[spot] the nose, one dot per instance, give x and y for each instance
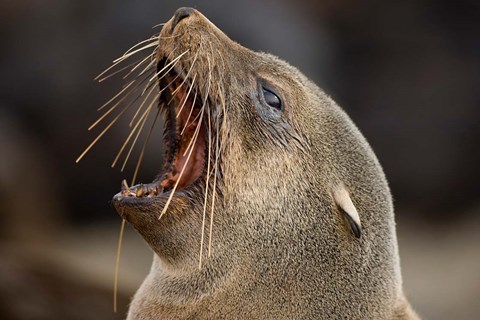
(181, 14)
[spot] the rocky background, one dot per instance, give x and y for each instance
(407, 72)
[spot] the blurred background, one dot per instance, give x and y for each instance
(407, 72)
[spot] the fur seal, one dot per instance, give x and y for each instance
(268, 184)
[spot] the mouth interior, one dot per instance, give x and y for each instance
(184, 139)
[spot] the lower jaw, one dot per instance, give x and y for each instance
(184, 197)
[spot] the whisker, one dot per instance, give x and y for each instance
(120, 101)
(142, 153)
(116, 72)
(152, 38)
(214, 192)
(184, 79)
(117, 95)
(101, 134)
(186, 98)
(129, 137)
(109, 111)
(189, 114)
(206, 190)
(149, 84)
(217, 156)
(190, 144)
(138, 65)
(117, 265)
(150, 65)
(170, 37)
(136, 137)
(174, 61)
(141, 105)
(126, 56)
(159, 25)
(203, 107)
(110, 68)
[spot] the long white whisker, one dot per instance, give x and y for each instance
(142, 153)
(184, 79)
(174, 61)
(101, 134)
(189, 114)
(186, 98)
(152, 38)
(126, 56)
(206, 190)
(217, 159)
(195, 119)
(116, 72)
(129, 137)
(138, 65)
(148, 110)
(116, 96)
(142, 104)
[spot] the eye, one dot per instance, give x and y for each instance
(272, 99)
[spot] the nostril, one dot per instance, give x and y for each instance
(181, 14)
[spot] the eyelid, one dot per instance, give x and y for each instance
(264, 85)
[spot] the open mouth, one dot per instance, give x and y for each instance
(184, 139)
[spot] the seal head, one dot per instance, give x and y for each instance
(267, 183)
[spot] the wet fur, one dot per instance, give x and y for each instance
(281, 247)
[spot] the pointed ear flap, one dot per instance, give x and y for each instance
(343, 201)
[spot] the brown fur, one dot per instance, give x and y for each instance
(281, 246)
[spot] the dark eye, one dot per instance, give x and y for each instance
(272, 99)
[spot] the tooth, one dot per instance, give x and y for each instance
(158, 190)
(140, 191)
(125, 189)
(150, 189)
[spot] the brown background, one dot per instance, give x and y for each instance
(407, 72)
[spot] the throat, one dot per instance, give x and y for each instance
(189, 161)
(185, 137)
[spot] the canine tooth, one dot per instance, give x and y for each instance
(150, 189)
(125, 189)
(158, 189)
(140, 191)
